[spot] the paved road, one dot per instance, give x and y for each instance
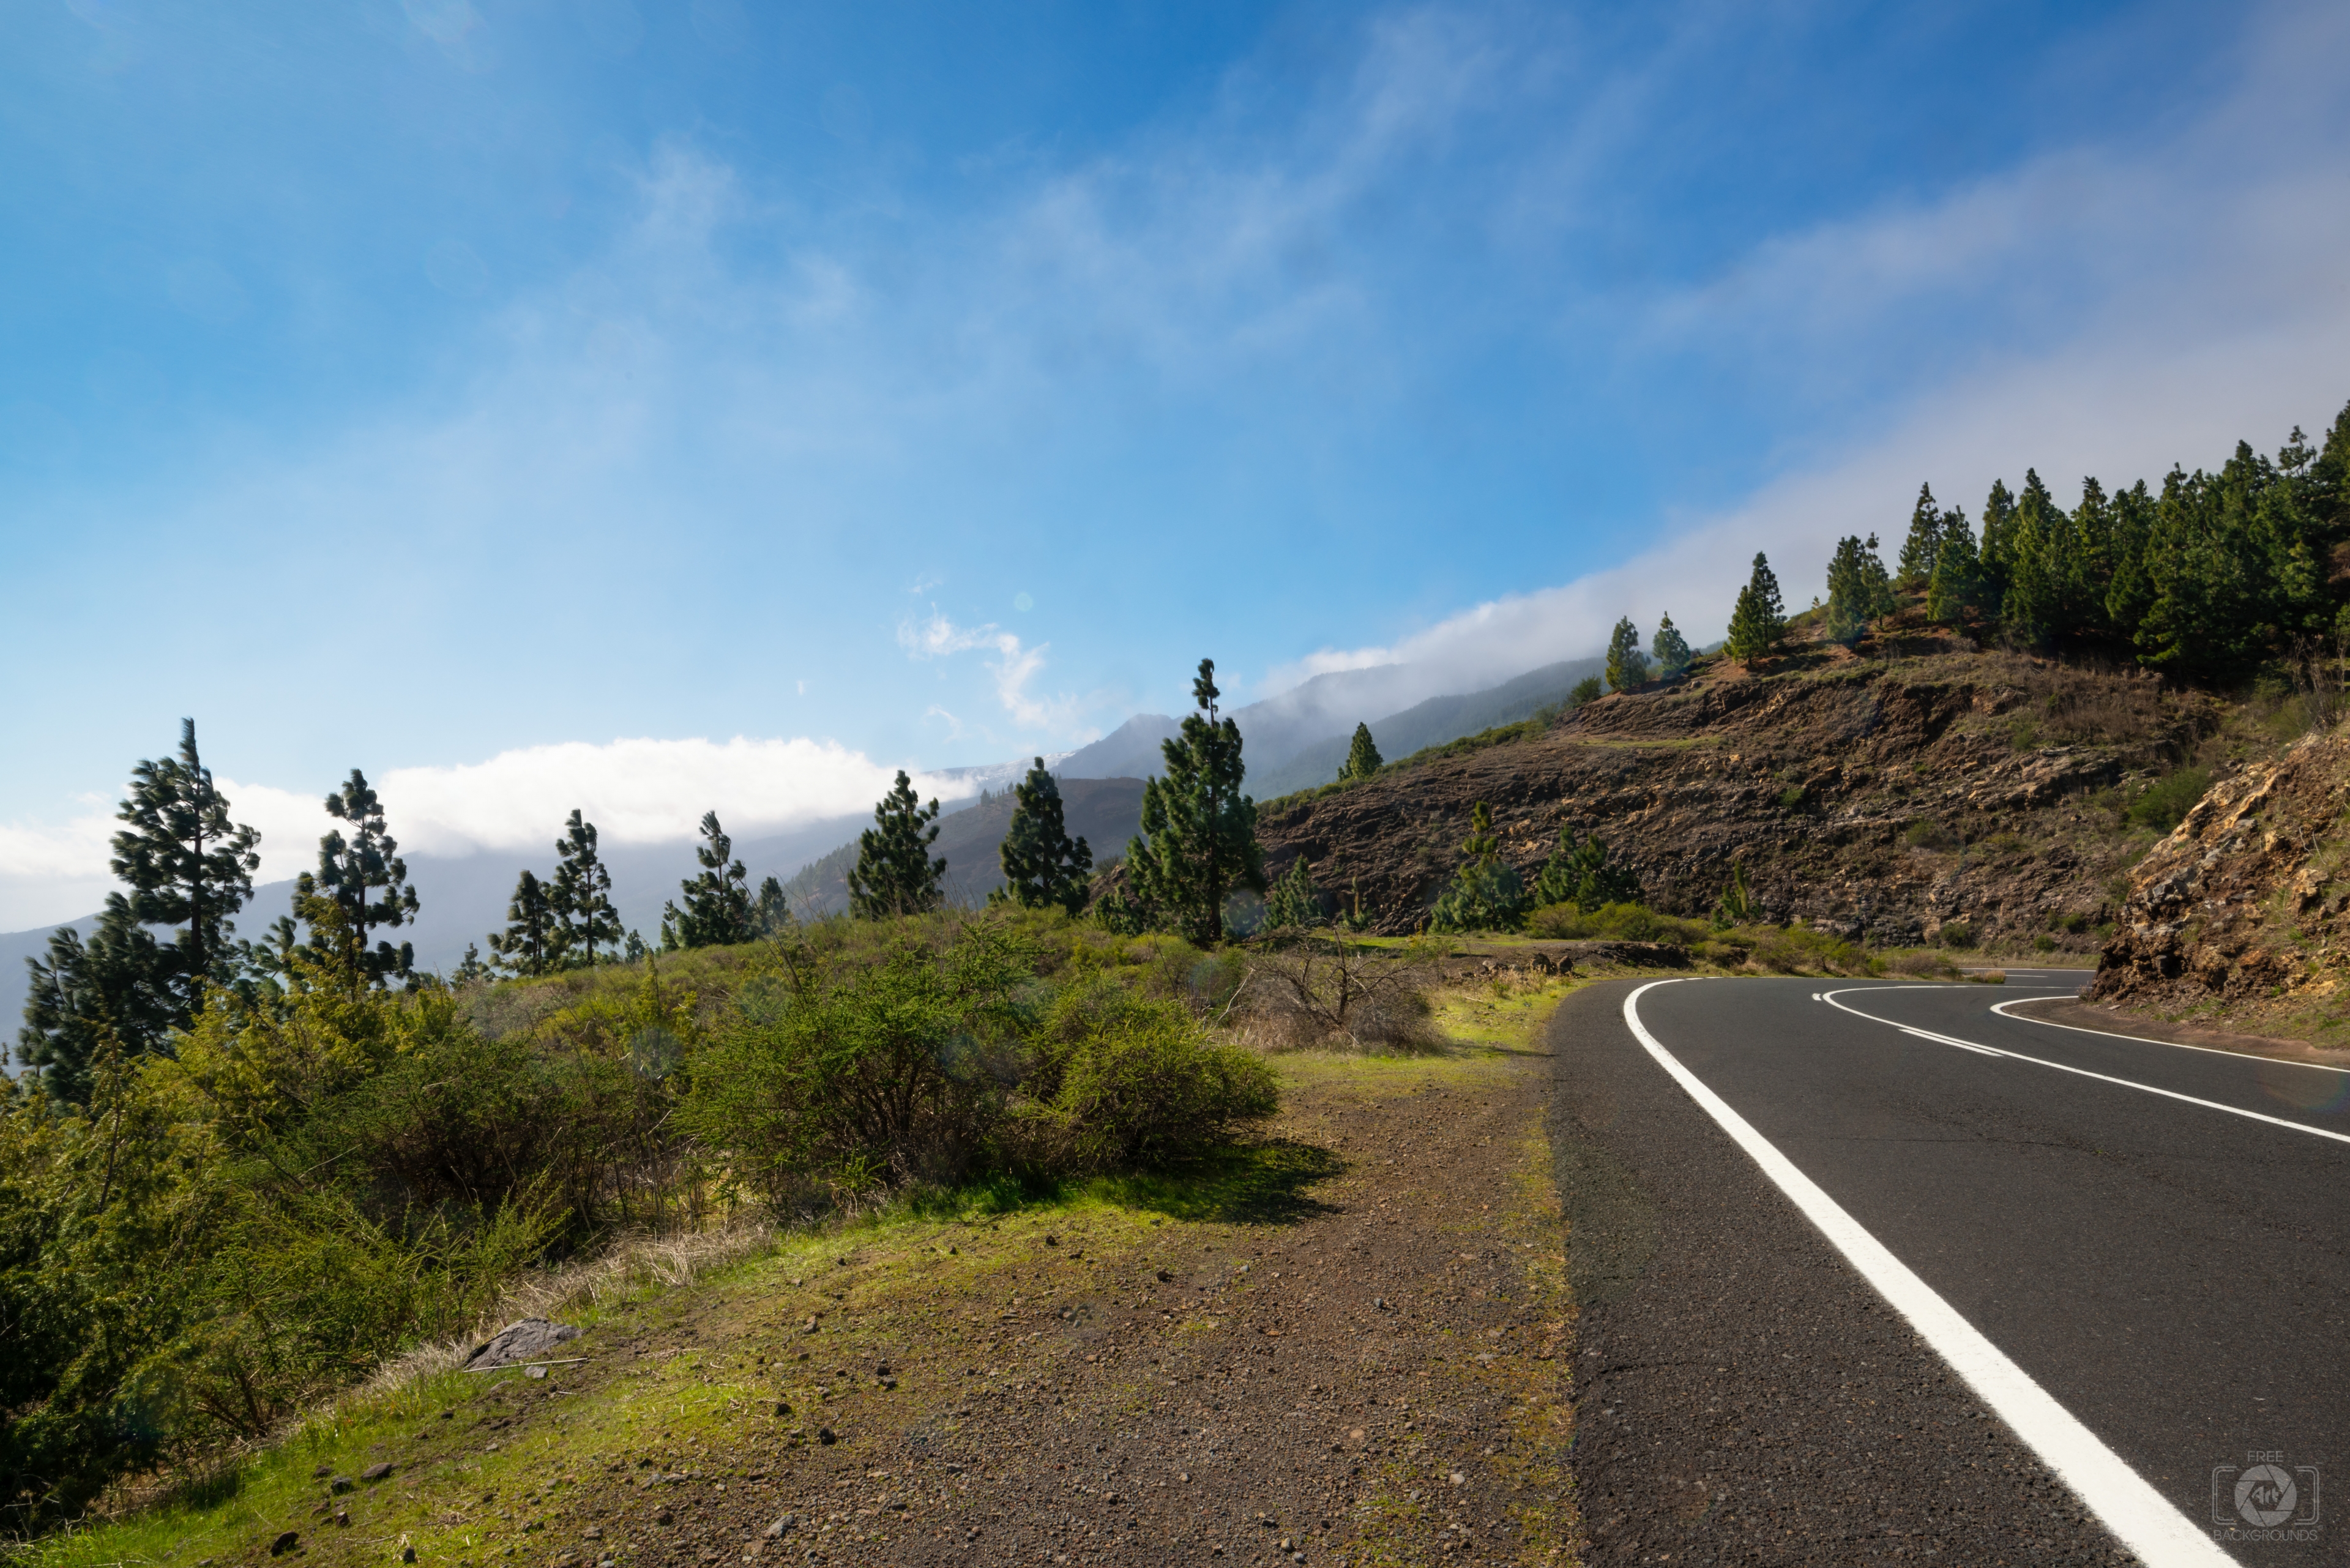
(2172, 1268)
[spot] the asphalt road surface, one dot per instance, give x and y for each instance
(2095, 1251)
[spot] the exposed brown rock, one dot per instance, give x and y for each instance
(2245, 902)
(1811, 776)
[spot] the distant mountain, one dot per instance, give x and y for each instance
(1429, 723)
(1106, 813)
(1129, 752)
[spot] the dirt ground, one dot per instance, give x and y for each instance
(1347, 1346)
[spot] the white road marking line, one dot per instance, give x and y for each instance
(2082, 1072)
(2002, 1009)
(2137, 1514)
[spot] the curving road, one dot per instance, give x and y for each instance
(1877, 1269)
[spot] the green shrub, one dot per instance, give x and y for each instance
(1490, 897)
(1957, 934)
(2165, 802)
(1928, 834)
(1614, 922)
(1117, 1081)
(1792, 797)
(864, 1078)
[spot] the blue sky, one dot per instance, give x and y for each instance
(454, 389)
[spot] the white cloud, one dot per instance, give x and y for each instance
(638, 791)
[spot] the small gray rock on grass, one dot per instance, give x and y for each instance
(532, 1339)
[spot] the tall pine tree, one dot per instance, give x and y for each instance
(365, 878)
(1858, 589)
(1924, 546)
(1041, 865)
(894, 874)
(1627, 666)
(1759, 620)
(717, 910)
(187, 865)
(533, 942)
(580, 896)
(771, 915)
(87, 997)
(1363, 757)
(1670, 650)
(1199, 831)
(1956, 584)
(1996, 553)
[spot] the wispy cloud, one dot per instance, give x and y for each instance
(1015, 666)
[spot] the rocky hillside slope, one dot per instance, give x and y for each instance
(2243, 912)
(1937, 792)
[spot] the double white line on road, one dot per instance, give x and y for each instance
(1914, 1033)
(2137, 1514)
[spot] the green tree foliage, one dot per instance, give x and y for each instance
(1923, 548)
(187, 867)
(1363, 757)
(717, 910)
(580, 896)
(1487, 894)
(1957, 585)
(1293, 901)
(1041, 865)
(1737, 906)
(470, 969)
(86, 998)
(1670, 650)
(771, 915)
(1759, 619)
(1199, 831)
(1627, 666)
(365, 880)
(1858, 589)
(2214, 579)
(1583, 874)
(1587, 690)
(533, 942)
(895, 874)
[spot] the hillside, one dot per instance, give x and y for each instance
(1937, 792)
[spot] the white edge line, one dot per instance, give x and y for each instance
(2002, 1009)
(2082, 1072)
(2139, 1517)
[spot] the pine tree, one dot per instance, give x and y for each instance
(771, 916)
(1041, 865)
(635, 952)
(1957, 583)
(1627, 666)
(1587, 690)
(1583, 874)
(2031, 603)
(1199, 831)
(188, 865)
(1995, 554)
(717, 910)
(1363, 757)
(470, 969)
(1670, 650)
(91, 996)
(1759, 620)
(1858, 589)
(894, 874)
(1294, 902)
(580, 894)
(349, 873)
(1487, 894)
(1924, 546)
(533, 942)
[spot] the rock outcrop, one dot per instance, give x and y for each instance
(2247, 903)
(1878, 800)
